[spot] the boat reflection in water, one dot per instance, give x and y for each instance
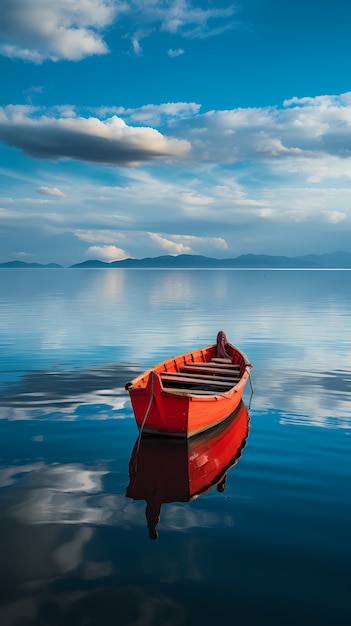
(165, 470)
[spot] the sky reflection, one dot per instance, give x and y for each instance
(59, 394)
(71, 494)
(322, 399)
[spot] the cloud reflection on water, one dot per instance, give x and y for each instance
(60, 392)
(73, 494)
(55, 518)
(131, 604)
(313, 399)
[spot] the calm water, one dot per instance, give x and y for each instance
(274, 547)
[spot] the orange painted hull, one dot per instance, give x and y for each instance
(171, 470)
(161, 410)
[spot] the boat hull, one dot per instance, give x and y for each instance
(181, 412)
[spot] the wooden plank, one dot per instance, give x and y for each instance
(203, 376)
(192, 380)
(195, 392)
(229, 366)
(218, 359)
(208, 370)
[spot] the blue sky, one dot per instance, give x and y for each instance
(146, 127)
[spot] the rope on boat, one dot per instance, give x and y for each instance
(250, 382)
(252, 391)
(135, 465)
(147, 411)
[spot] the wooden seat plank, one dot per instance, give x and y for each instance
(196, 392)
(201, 377)
(212, 365)
(208, 370)
(178, 377)
(218, 359)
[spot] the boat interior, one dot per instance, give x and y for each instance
(205, 378)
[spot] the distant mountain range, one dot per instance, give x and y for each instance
(334, 260)
(23, 264)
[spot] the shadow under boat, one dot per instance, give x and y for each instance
(163, 470)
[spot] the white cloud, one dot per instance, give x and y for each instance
(86, 139)
(175, 17)
(51, 191)
(299, 133)
(35, 30)
(266, 213)
(218, 242)
(106, 253)
(213, 242)
(314, 168)
(187, 244)
(136, 44)
(99, 236)
(286, 138)
(22, 255)
(334, 217)
(196, 199)
(323, 100)
(170, 246)
(175, 53)
(299, 137)
(153, 114)
(182, 17)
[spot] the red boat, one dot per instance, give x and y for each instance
(190, 393)
(179, 470)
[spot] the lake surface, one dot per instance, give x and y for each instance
(273, 547)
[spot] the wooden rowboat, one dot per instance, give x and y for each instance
(165, 470)
(192, 392)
